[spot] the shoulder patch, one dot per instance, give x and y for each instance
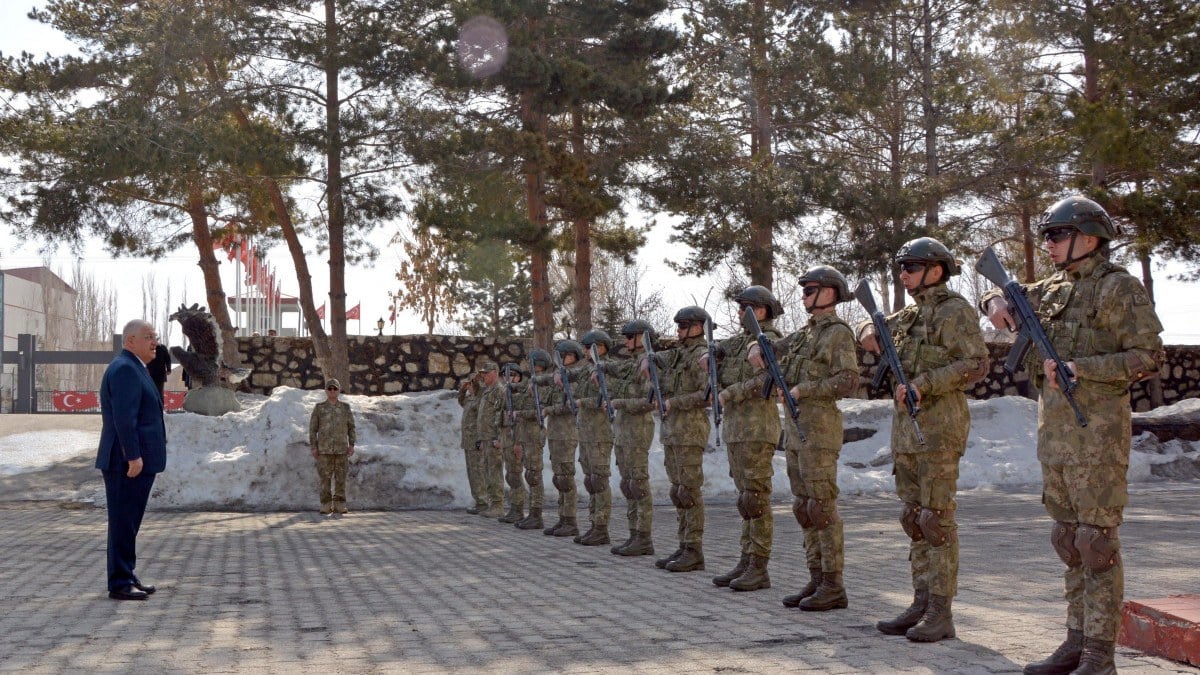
(1140, 297)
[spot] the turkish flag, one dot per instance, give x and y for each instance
(70, 401)
(393, 318)
(173, 400)
(321, 311)
(353, 312)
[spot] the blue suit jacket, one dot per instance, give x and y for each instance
(132, 417)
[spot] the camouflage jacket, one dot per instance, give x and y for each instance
(560, 421)
(331, 428)
(748, 416)
(593, 420)
(528, 431)
(491, 413)
(1101, 318)
(683, 385)
(469, 400)
(821, 362)
(942, 352)
(633, 424)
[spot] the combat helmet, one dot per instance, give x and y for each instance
(692, 314)
(1081, 213)
(565, 347)
(596, 337)
(540, 357)
(829, 277)
(637, 327)
(510, 368)
(928, 250)
(759, 295)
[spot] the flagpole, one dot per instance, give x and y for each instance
(237, 284)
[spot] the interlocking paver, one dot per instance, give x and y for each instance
(443, 591)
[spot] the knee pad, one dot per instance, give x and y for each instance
(822, 512)
(686, 499)
(533, 477)
(908, 521)
(675, 496)
(639, 487)
(625, 489)
(599, 483)
(1099, 547)
(752, 504)
(931, 527)
(564, 483)
(587, 483)
(1062, 538)
(800, 509)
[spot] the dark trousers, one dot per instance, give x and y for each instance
(127, 499)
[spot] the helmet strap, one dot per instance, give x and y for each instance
(828, 304)
(1071, 257)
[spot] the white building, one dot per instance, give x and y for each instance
(36, 301)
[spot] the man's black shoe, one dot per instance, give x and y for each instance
(128, 593)
(144, 588)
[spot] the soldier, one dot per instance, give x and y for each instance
(510, 451)
(1102, 323)
(943, 353)
(684, 434)
(751, 432)
(821, 359)
(562, 437)
(531, 439)
(633, 432)
(468, 398)
(491, 428)
(595, 442)
(331, 435)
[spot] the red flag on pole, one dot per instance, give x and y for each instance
(235, 245)
(321, 311)
(353, 312)
(392, 319)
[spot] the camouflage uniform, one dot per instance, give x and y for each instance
(942, 352)
(468, 398)
(511, 465)
(751, 432)
(684, 434)
(532, 440)
(491, 433)
(633, 432)
(595, 450)
(562, 435)
(1099, 317)
(821, 360)
(331, 432)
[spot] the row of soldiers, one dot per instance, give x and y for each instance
(1095, 314)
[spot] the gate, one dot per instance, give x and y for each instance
(28, 358)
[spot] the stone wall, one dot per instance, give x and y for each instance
(396, 364)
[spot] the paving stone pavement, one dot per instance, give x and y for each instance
(444, 591)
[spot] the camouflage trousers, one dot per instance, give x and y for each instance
(331, 470)
(1091, 495)
(812, 474)
(562, 463)
(492, 475)
(512, 473)
(751, 469)
(929, 480)
(634, 463)
(533, 460)
(596, 461)
(474, 462)
(685, 470)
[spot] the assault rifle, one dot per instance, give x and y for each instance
(652, 367)
(565, 376)
(890, 358)
(510, 413)
(537, 399)
(1029, 330)
(713, 388)
(602, 398)
(774, 373)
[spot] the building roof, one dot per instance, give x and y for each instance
(42, 276)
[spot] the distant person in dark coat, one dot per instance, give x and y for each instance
(159, 367)
(133, 450)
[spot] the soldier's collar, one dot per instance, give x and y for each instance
(1086, 268)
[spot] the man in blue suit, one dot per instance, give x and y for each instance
(133, 450)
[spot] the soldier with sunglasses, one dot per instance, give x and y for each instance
(1101, 321)
(942, 352)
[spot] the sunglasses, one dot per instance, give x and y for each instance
(1058, 235)
(331, 388)
(912, 267)
(811, 290)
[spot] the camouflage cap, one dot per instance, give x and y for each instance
(332, 383)
(487, 366)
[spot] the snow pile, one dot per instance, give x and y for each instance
(34, 451)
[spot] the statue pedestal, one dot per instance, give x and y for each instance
(212, 400)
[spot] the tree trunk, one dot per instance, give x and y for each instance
(339, 357)
(582, 291)
(761, 255)
(215, 293)
(932, 189)
(1027, 243)
(539, 249)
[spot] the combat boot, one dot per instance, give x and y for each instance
(549, 531)
(473, 510)
(661, 563)
(597, 536)
(908, 618)
(567, 528)
(493, 511)
(531, 522)
(326, 509)
(690, 560)
(831, 594)
(814, 580)
(738, 570)
(340, 508)
(937, 624)
(641, 544)
(579, 537)
(514, 514)
(616, 550)
(1063, 660)
(755, 577)
(1096, 658)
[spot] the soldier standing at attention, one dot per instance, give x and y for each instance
(821, 359)
(468, 398)
(331, 435)
(684, 433)
(491, 427)
(1102, 323)
(562, 436)
(633, 432)
(943, 353)
(595, 441)
(510, 451)
(531, 441)
(751, 432)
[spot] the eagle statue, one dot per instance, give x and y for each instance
(202, 360)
